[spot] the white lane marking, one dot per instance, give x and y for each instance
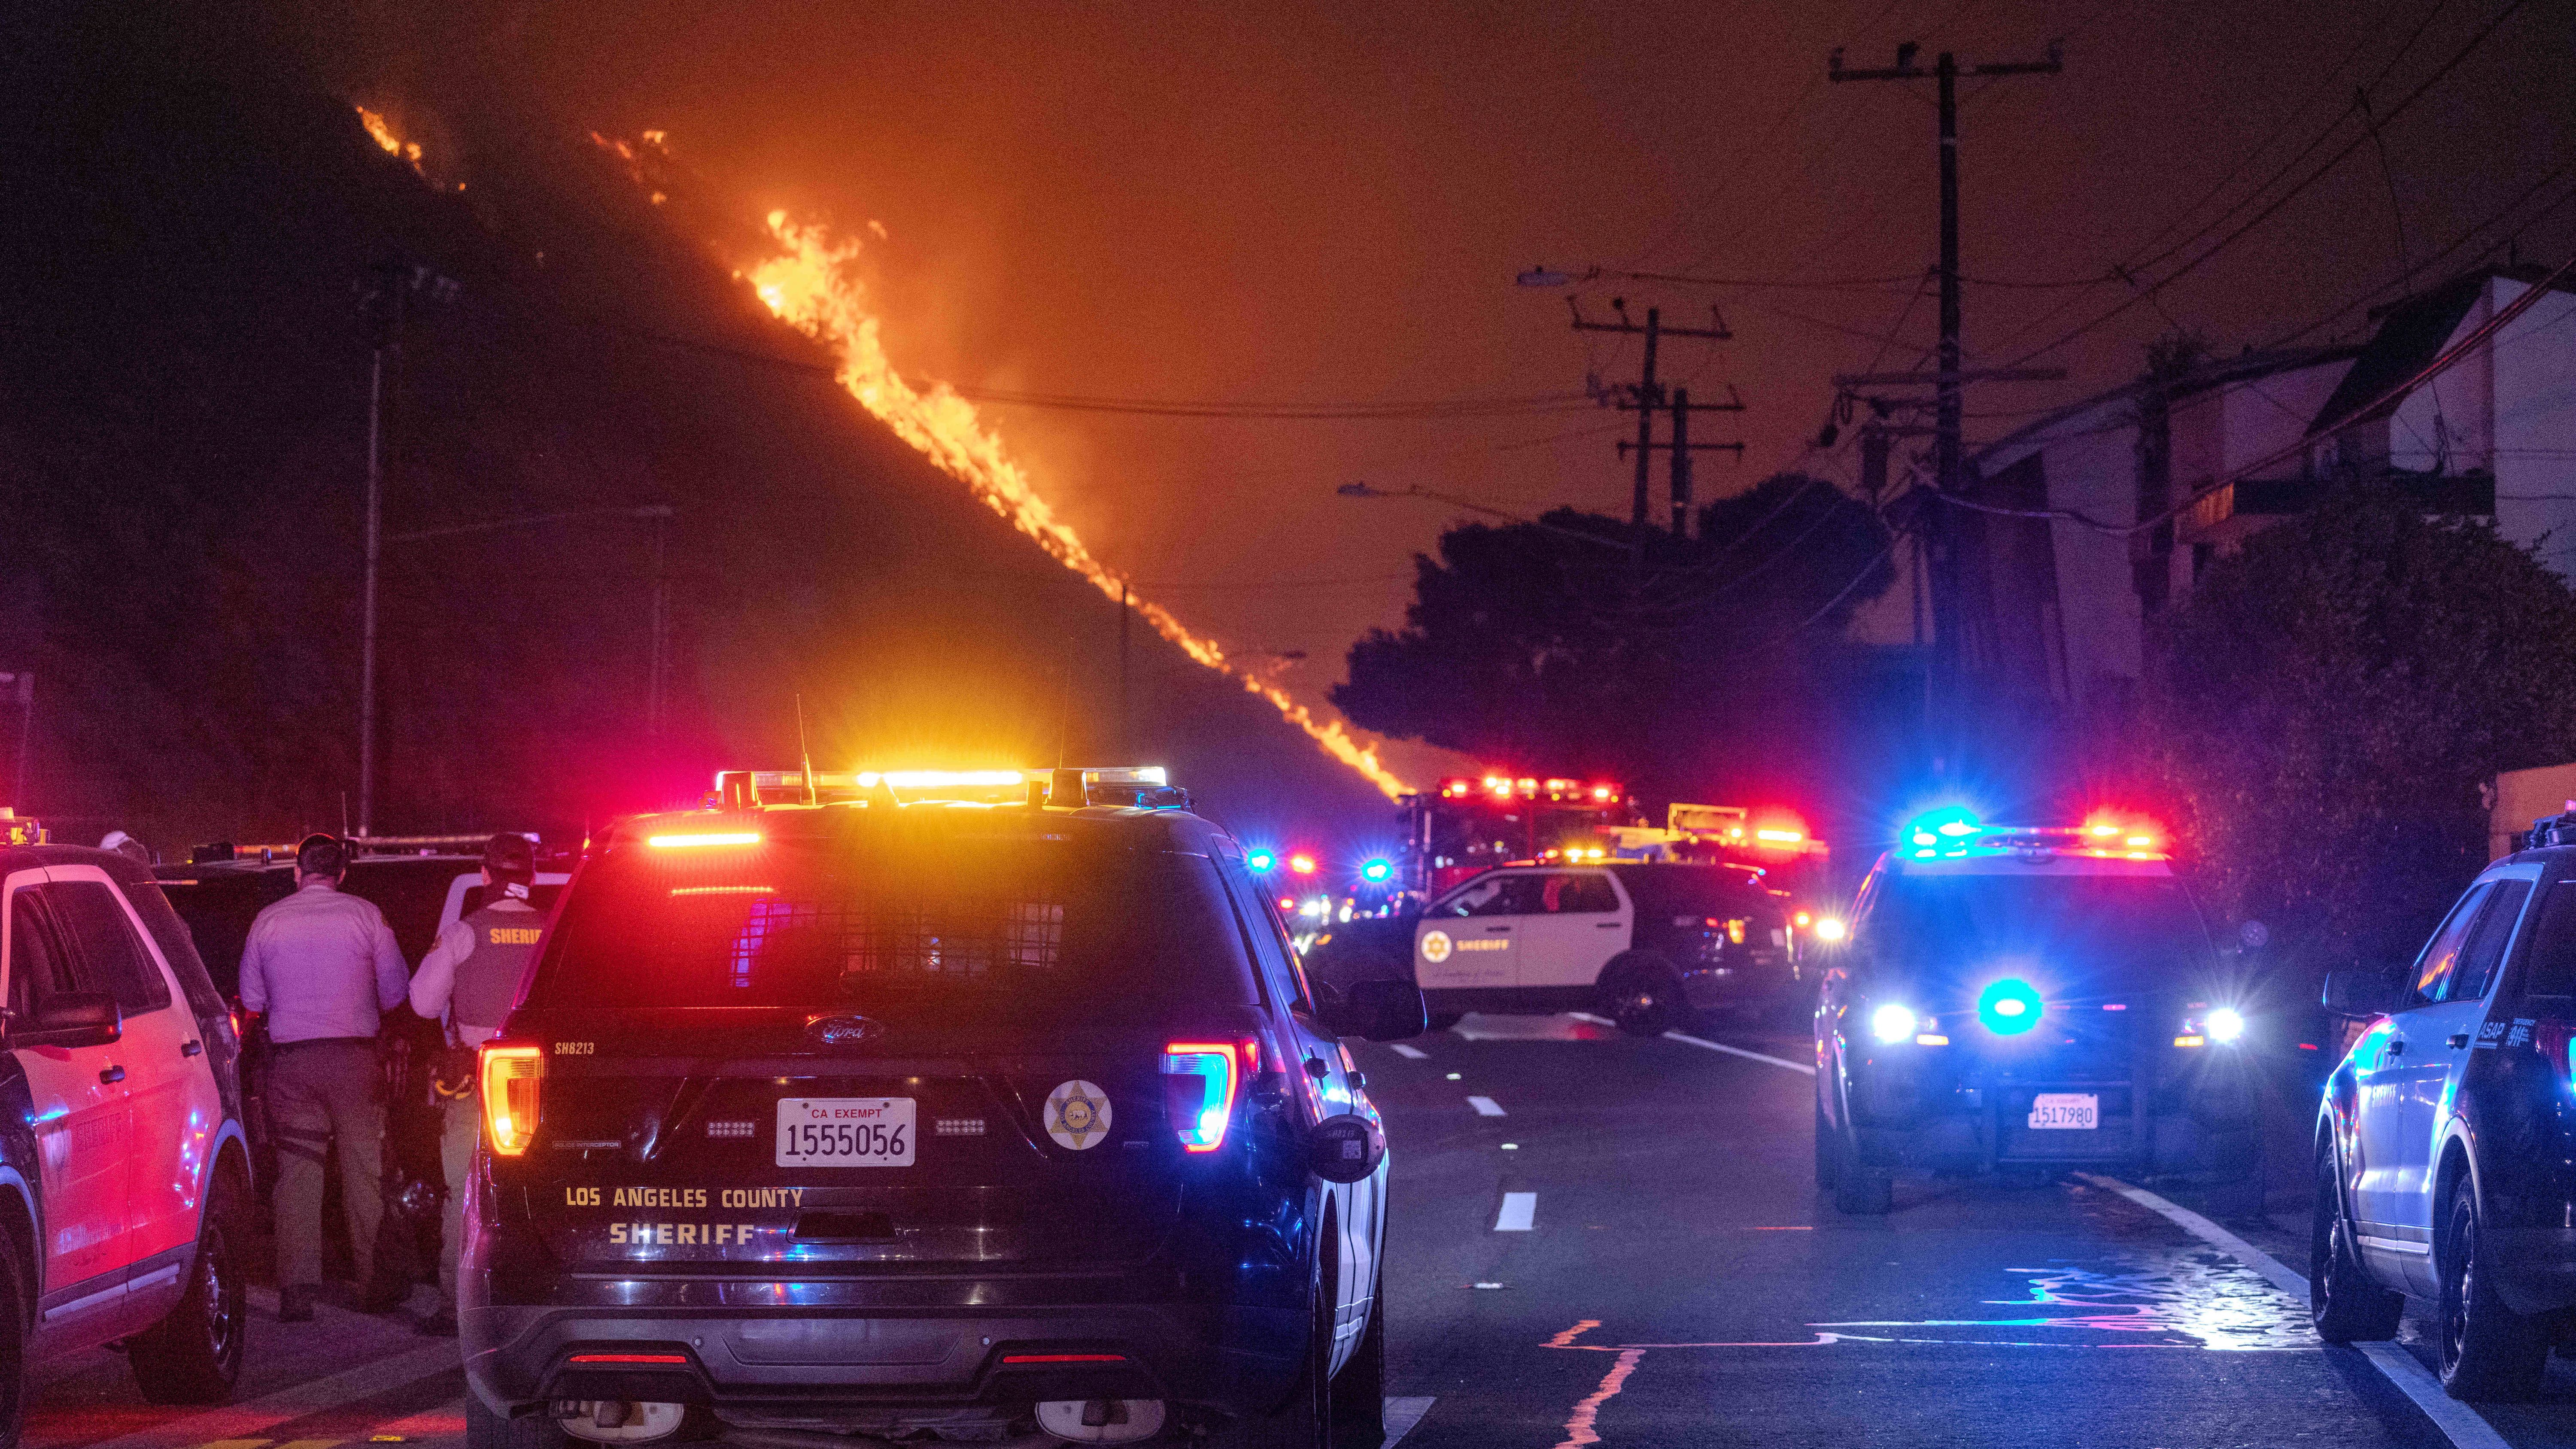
(1402, 1415)
(1410, 1054)
(239, 1421)
(1719, 1046)
(1578, 1425)
(2458, 1422)
(1486, 1106)
(2272, 1269)
(1519, 1210)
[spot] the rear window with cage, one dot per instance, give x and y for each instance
(905, 925)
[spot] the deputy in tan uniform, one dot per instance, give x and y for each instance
(322, 967)
(469, 980)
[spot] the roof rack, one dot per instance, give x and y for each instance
(2559, 829)
(1139, 786)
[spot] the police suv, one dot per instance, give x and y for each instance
(2015, 997)
(1646, 945)
(2446, 1137)
(929, 1105)
(124, 1174)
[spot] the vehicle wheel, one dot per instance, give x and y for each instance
(1825, 1159)
(1642, 994)
(17, 1313)
(1305, 1420)
(1857, 1190)
(485, 1429)
(2486, 1350)
(2343, 1302)
(1442, 1020)
(1359, 1390)
(194, 1356)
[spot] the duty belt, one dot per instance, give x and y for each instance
(314, 1041)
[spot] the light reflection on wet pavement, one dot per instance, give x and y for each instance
(2190, 1299)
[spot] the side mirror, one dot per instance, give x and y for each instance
(72, 1019)
(1345, 1148)
(1379, 1010)
(2360, 991)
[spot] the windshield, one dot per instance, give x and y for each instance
(920, 930)
(2074, 935)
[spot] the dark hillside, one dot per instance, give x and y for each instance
(184, 225)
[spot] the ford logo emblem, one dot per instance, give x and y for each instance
(834, 1031)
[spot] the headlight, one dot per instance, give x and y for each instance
(1829, 929)
(1892, 1023)
(2224, 1025)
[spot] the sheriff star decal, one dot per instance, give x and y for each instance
(1077, 1115)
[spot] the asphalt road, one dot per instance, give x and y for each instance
(1622, 1244)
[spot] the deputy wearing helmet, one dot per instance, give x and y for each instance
(323, 966)
(468, 981)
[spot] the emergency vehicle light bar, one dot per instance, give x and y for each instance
(1139, 785)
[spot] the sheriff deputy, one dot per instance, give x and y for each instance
(468, 980)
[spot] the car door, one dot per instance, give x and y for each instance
(173, 1109)
(1583, 921)
(78, 1098)
(1326, 1084)
(1468, 939)
(2384, 1067)
(2440, 1035)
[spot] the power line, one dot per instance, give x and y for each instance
(2223, 243)
(1301, 412)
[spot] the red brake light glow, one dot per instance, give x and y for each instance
(510, 1073)
(681, 1359)
(1200, 1082)
(1057, 1358)
(692, 842)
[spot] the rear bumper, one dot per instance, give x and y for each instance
(1955, 1116)
(824, 1362)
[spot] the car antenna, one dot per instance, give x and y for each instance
(804, 753)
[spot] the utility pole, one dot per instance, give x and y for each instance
(22, 683)
(1126, 606)
(1939, 539)
(1681, 447)
(1646, 398)
(383, 296)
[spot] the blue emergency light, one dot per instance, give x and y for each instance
(1262, 861)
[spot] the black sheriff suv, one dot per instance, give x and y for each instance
(934, 1105)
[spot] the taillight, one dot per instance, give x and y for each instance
(509, 1079)
(1200, 1081)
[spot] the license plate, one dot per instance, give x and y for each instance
(2080, 1111)
(845, 1132)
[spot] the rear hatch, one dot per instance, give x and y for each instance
(880, 1047)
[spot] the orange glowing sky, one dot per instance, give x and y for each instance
(1324, 203)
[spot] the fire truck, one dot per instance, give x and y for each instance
(1472, 825)
(1794, 864)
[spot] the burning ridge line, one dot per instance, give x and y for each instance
(808, 286)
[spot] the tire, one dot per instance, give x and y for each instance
(2343, 1302)
(1858, 1191)
(17, 1318)
(1305, 1419)
(1359, 1390)
(2484, 1349)
(485, 1429)
(1826, 1161)
(1642, 994)
(194, 1355)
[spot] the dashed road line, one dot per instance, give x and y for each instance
(1410, 1054)
(1486, 1106)
(1520, 1209)
(1735, 1051)
(1402, 1415)
(2459, 1423)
